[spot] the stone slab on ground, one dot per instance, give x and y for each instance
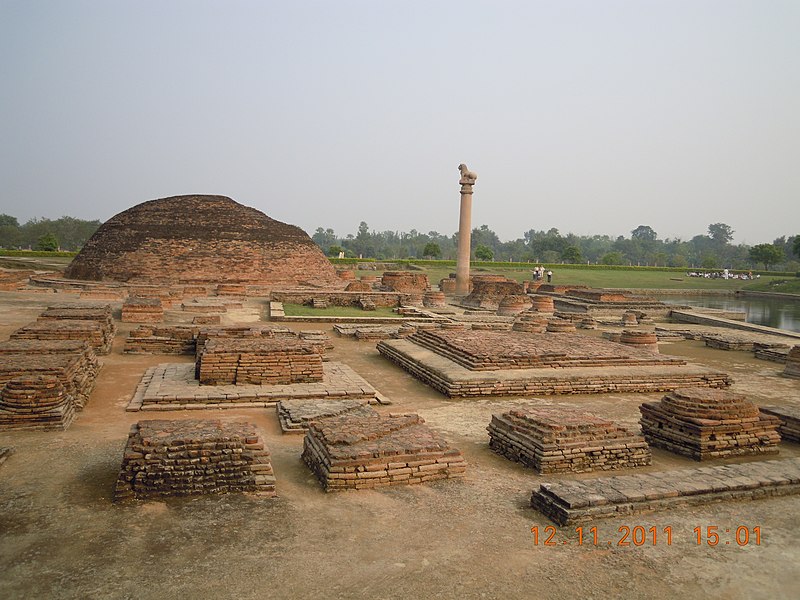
(348, 452)
(165, 458)
(454, 380)
(172, 386)
(575, 501)
(295, 415)
(789, 429)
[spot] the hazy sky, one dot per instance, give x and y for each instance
(588, 116)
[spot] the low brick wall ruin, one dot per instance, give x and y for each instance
(563, 440)
(192, 457)
(377, 451)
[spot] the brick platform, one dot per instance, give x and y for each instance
(264, 361)
(142, 310)
(94, 333)
(563, 440)
(488, 291)
(75, 371)
(174, 387)
(35, 402)
(488, 351)
(192, 457)
(568, 502)
(406, 282)
(378, 451)
(705, 424)
(789, 416)
(295, 415)
(455, 380)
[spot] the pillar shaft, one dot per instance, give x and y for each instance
(464, 237)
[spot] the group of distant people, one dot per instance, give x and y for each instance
(724, 274)
(539, 273)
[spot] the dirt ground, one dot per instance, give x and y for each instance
(61, 537)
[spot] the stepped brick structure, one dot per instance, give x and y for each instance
(348, 452)
(530, 322)
(236, 361)
(295, 415)
(142, 310)
(75, 371)
(789, 429)
(792, 368)
(645, 340)
(562, 440)
(472, 363)
(192, 457)
(35, 402)
(705, 424)
(434, 299)
(201, 239)
(92, 332)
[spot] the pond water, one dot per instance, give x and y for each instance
(773, 312)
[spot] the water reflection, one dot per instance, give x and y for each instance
(773, 312)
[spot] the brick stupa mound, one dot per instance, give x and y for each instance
(201, 239)
(349, 452)
(563, 440)
(706, 424)
(191, 457)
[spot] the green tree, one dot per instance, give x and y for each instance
(796, 245)
(721, 233)
(644, 233)
(571, 254)
(483, 252)
(335, 251)
(612, 258)
(767, 254)
(48, 243)
(432, 250)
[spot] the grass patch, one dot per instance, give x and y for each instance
(300, 310)
(626, 278)
(773, 284)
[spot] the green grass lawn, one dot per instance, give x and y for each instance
(299, 310)
(632, 278)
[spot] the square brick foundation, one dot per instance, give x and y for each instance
(193, 457)
(378, 451)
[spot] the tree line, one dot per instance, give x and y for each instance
(66, 233)
(643, 247)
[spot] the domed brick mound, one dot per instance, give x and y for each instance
(35, 402)
(646, 340)
(201, 239)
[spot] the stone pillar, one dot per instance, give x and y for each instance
(464, 230)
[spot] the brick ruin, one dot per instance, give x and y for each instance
(201, 240)
(474, 363)
(563, 440)
(792, 368)
(489, 290)
(74, 371)
(142, 310)
(36, 402)
(377, 451)
(165, 458)
(596, 302)
(569, 502)
(264, 361)
(513, 304)
(295, 415)
(706, 424)
(489, 351)
(789, 428)
(406, 282)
